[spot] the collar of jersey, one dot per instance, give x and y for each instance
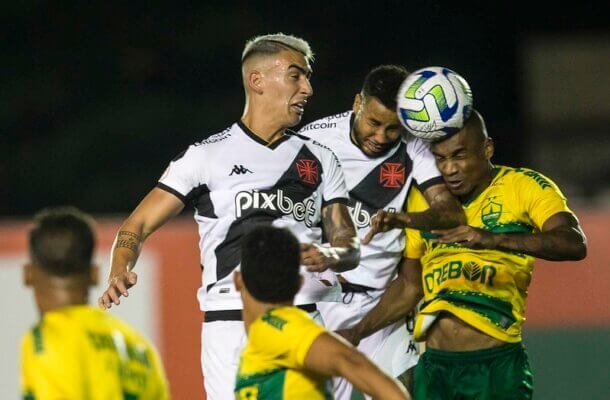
(258, 140)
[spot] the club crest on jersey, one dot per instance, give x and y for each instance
(275, 203)
(392, 175)
(308, 170)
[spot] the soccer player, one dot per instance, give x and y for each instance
(254, 172)
(78, 351)
(380, 162)
(288, 355)
(475, 277)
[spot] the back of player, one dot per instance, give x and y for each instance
(77, 351)
(82, 352)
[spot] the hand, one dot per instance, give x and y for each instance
(313, 258)
(466, 236)
(350, 335)
(383, 221)
(117, 287)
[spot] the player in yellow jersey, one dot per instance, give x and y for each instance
(474, 278)
(77, 351)
(288, 355)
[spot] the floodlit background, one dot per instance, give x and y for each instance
(97, 97)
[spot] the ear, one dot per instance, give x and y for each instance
(489, 148)
(357, 103)
(94, 275)
(237, 279)
(27, 274)
(255, 81)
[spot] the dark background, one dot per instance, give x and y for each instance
(97, 96)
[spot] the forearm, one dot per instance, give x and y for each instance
(556, 245)
(126, 249)
(368, 378)
(398, 300)
(342, 258)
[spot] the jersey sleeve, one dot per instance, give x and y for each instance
(424, 171)
(184, 174)
(415, 246)
(335, 188)
(540, 197)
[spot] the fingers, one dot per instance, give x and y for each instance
(369, 236)
(118, 286)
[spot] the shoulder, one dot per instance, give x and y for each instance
(319, 149)
(526, 176)
(326, 125)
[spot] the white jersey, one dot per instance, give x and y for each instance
(373, 184)
(236, 181)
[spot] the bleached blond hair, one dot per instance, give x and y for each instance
(274, 43)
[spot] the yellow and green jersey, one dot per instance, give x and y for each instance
(485, 288)
(84, 353)
(272, 362)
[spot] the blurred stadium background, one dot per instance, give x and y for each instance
(99, 96)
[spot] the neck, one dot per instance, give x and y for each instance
(52, 298)
(485, 182)
(254, 309)
(263, 127)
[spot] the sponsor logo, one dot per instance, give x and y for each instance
(239, 169)
(308, 171)
(319, 125)
(275, 201)
(392, 175)
(361, 216)
(456, 269)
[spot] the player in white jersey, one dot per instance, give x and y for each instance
(254, 172)
(380, 162)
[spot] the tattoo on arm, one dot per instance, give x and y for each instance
(338, 225)
(445, 210)
(128, 240)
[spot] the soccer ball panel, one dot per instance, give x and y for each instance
(434, 102)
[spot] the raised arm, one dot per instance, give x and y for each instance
(398, 300)
(153, 211)
(444, 211)
(560, 239)
(344, 253)
(328, 355)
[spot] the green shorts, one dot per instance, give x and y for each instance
(498, 373)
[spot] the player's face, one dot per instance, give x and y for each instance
(287, 88)
(376, 128)
(463, 160)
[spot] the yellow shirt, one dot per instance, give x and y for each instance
(272, 363)
(485, 288)
(84, 353)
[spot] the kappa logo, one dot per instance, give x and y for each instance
(392, 175)
(240, 169)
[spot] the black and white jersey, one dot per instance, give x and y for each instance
(235, 181)
(373, 184)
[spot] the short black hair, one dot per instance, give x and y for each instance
(270, 261)
(62, 241)
(383, 83)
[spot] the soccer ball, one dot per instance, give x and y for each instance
(434, 102)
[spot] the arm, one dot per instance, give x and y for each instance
(398, 300)
(154, 211)
(328, 355)
(560, 239)
(445, 211)
(344, 253)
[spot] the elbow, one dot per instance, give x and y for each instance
(581, 252)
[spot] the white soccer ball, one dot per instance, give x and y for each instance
(434, 102)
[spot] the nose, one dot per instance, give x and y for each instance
(306, 88)
(448, 167)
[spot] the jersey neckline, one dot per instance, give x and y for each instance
(273, 145)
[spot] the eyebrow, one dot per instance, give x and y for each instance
(458, 150)
(306, 72)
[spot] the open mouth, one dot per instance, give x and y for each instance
(300, 107)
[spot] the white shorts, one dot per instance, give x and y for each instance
(222, 343)
(392, 348)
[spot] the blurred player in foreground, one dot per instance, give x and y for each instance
(78, 351)
(475, 277)
(288, 355)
